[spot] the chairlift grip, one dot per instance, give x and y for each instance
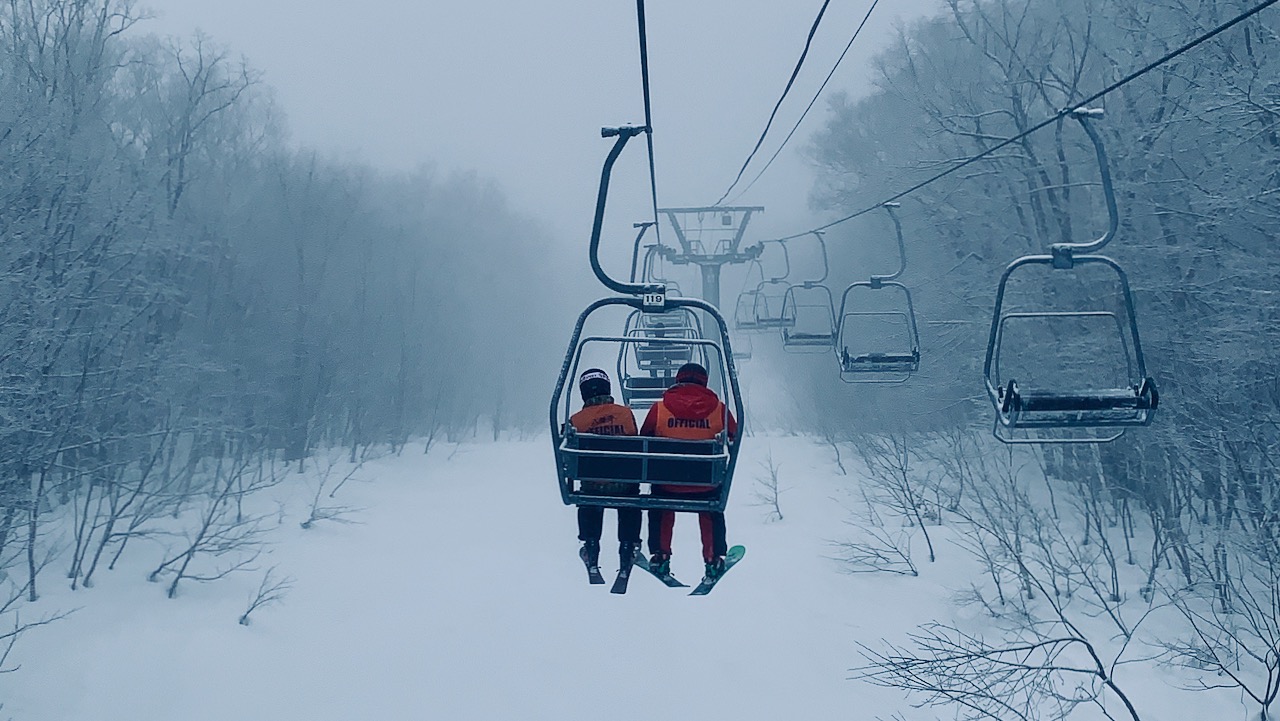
(624, 131)
(1089, 112)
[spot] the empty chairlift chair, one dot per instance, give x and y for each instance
(768, 306)
(869, 357)
(658, 357)
(662, 343)
(744, 309)
(812, 308)
(1092, 411)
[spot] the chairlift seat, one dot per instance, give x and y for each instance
(808, 340)
(1041, 408)
(880, 362)
(771, 323)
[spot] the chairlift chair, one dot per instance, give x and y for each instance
(1101, 413)
(813, 310)
(648, 269)
(644, 460)
(810, 305)
(768, 298)
(583, 460)
(769, 308)
(744, 311)
(663, 357)
(895, 365)
(647, 367)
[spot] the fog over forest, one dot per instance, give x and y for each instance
(201, 301)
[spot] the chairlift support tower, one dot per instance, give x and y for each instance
(711, 260)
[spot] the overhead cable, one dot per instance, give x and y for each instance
(1052, 119)
(816, 95)
(648, 118)
(794, 73)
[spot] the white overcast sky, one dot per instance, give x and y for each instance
(518, 91)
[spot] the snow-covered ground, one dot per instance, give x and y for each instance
(459, 595)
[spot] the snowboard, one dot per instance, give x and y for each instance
(731, 559)
(671, 581)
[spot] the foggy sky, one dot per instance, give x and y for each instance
(518, 91)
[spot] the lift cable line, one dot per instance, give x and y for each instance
(812, 102)
(794, 73)
(648, 116)
(1066, 112)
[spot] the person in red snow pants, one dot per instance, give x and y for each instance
(688, 411)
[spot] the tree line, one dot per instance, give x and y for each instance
(1195, 153)
(190, 304)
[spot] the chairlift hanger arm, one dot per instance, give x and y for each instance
(826, 263)
(878, 280)
(635, 251)
(649, 271)
(623, 134)
(1064, 251)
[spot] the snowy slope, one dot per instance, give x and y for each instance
(459, 595)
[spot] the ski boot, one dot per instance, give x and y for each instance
(590, 555)
(627, 556)
(660, 564)
(715, 569)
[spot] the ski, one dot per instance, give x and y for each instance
(731, 559)
(670, 580)
(620, 583)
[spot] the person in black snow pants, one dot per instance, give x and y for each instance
(602, 416)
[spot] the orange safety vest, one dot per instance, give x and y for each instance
(606, 419)
(699, 429)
